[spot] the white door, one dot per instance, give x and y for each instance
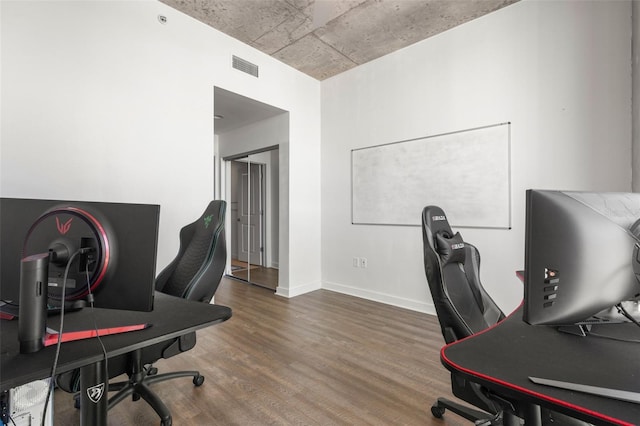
(250, 215)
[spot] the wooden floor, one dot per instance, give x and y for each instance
(322, 358)
(258, 275)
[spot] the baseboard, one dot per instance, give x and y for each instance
(427, 308)
(298, 290)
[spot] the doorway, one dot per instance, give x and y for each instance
(250, 138)
(253, 195)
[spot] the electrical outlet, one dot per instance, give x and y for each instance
(356, 262)
(363, 262)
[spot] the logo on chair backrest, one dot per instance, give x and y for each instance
(63, 228)
(95, 393)
(207, 220)
(436, 218)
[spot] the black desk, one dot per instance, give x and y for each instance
(171, 317)
(503, 357)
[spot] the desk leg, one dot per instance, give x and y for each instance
(93, 394)
(532, 415)
(509, 419)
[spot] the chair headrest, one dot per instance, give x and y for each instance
(212, 217)
(435, 219)
(450, 248)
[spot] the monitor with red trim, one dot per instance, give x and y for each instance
(106, 249)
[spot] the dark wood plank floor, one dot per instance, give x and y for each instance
(322, 358)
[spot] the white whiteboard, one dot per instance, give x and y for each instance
(466, 173)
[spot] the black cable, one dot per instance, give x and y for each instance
(626, 314)
(95, 326)
(622, 311)
(619, 339)
(59, 343)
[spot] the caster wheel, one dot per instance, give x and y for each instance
(76, 402)
(152, 371)
(437, 412)
(166, 422)
(198, 380)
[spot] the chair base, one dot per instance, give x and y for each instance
(138, 387)
(478, 417)
(141, 390)
(539, 416)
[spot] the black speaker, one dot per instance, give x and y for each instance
(34, 273)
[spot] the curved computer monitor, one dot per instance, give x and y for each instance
(581, 256)
(118, 268)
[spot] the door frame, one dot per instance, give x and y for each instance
(226, 192)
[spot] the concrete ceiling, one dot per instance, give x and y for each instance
(323, 38)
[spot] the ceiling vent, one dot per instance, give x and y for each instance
(245, 66)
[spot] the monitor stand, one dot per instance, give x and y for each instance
(581, 330)
(609, 323)
(69, 306)
(593, 390)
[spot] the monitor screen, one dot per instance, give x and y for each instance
(122, 238)
(581, 256)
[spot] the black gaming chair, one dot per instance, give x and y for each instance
(194, 274)
(452, 267)
(463, 307)
(196, 271)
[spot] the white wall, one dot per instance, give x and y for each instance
(102, 102)
(559, 71)
(255, 136)
(635, 19)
